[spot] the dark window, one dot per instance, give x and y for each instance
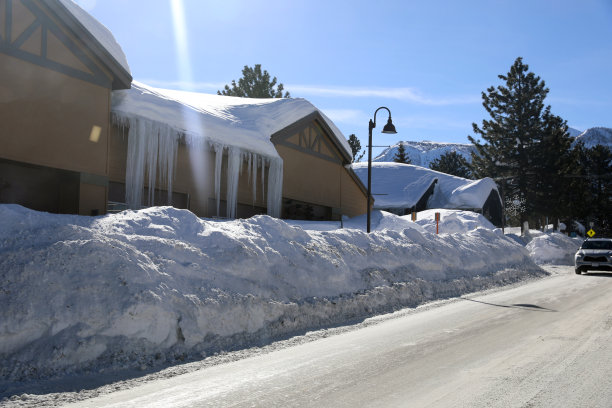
(607, 244)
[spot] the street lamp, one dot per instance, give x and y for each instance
(388, 128)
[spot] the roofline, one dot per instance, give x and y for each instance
(356, 178)
(122, 79)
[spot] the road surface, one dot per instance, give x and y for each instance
(547, 343)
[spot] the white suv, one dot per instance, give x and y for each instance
(594, 254)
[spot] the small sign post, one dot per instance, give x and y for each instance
(437, 222)
(414, 216)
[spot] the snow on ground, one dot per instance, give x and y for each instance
(452, 221)
(149, 288)
(547, 248)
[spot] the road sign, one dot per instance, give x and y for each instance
(591, 233)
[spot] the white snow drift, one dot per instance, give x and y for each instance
(137, 289)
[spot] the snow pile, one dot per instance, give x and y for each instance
(423, 153)
(552, 248)
(140, 289)
(398, 185)
(452, 221)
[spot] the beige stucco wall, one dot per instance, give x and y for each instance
(319, 181)
(314, 171)
(46, 118)
(353, 198)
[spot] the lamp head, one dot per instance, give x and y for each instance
(389, 127)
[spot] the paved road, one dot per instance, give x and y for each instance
(547, 343)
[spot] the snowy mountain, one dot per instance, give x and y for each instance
(594, 136)
(423, 153)
(573, 132)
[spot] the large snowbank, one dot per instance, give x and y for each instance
(553, 248)
(138, 289)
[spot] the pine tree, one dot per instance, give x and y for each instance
(355, 144)
(519, 139)
(552, 150)
(255, 84)
(401, 156)
(589, 187)
(452, 163)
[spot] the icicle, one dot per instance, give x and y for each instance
(218, 160)
(234, 162)
(275, 187)
(254, 162)
(263, 179)
(152, 149)
(135, 166)
(249, 158)
(168, 148)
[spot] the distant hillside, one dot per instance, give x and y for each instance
(573, 132)
(595, 136)
(423, 153)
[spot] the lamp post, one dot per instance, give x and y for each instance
(388, 128)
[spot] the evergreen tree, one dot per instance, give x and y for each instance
(601, 186)
(355, 144)
(589, 187)
(552, 150)
(452, 163)
(400, 155)
(255, 84)
(519, 140)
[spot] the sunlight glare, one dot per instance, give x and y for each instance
(197, 153)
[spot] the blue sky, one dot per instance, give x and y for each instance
(426, 60)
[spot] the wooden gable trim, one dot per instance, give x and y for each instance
(43, 13)
(282, 135)
(122, 79)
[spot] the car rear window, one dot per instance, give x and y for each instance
(597, 244)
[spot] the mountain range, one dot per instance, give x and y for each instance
(424, 152)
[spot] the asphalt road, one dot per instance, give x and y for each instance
(547, 343)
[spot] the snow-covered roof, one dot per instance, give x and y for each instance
(398, 185)
(247, 123)
(100, 34)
